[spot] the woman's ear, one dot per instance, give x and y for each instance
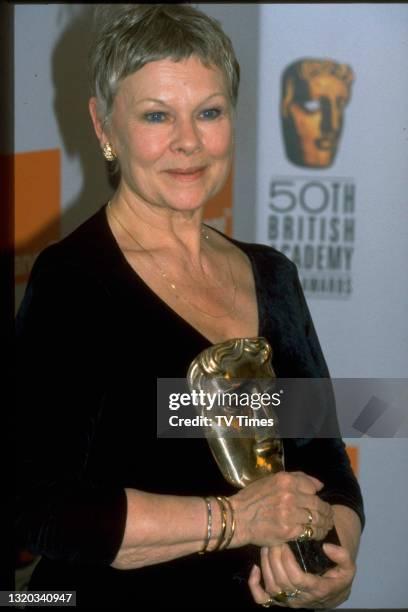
(97, 123)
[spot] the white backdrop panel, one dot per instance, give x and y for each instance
(366, 333)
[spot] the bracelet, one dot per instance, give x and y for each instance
(209, 526)
(232, 528)
(223, 523)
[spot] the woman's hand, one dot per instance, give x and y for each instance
(281, 572)
(275, 509)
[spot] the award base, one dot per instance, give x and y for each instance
(310, 555)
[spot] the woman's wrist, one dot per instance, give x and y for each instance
(348, 527)
(220, 524)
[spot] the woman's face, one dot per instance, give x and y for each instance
(171, 127)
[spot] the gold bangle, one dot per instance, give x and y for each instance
(223, 523)
(209, 526)
(232, 528)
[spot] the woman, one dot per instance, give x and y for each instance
(134, 294)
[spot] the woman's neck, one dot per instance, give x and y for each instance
(159, 228)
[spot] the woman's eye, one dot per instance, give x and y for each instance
(155, 117)
(211, 113)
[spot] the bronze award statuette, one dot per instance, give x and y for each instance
(244, 448)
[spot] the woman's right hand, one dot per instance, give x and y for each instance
(275, 509)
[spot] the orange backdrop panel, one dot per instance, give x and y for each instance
(353, 453)
(37, 192)
(218, 210)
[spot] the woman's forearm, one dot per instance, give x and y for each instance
(348, 527)
(163, 527)
(160, 528)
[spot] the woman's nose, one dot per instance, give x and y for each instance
(186, 137)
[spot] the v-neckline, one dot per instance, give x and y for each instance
(132, 273)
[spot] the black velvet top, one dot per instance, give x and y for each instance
(87, 422)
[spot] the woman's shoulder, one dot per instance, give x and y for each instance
(264, 257)
(264, 252)
(83, 249)
(66, 275)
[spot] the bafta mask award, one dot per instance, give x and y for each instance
(245, 439)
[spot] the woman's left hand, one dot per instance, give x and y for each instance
(281, 572)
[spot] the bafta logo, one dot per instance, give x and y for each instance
(315, 93)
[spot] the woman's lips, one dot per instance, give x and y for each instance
(187, 174)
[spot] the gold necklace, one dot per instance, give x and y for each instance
(170, 283)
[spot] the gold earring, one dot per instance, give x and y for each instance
(108, 152)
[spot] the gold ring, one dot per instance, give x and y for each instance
(307, 533)
(268, 603)
(283, 596)
(310, 517)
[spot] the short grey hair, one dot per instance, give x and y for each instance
(128, 36)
